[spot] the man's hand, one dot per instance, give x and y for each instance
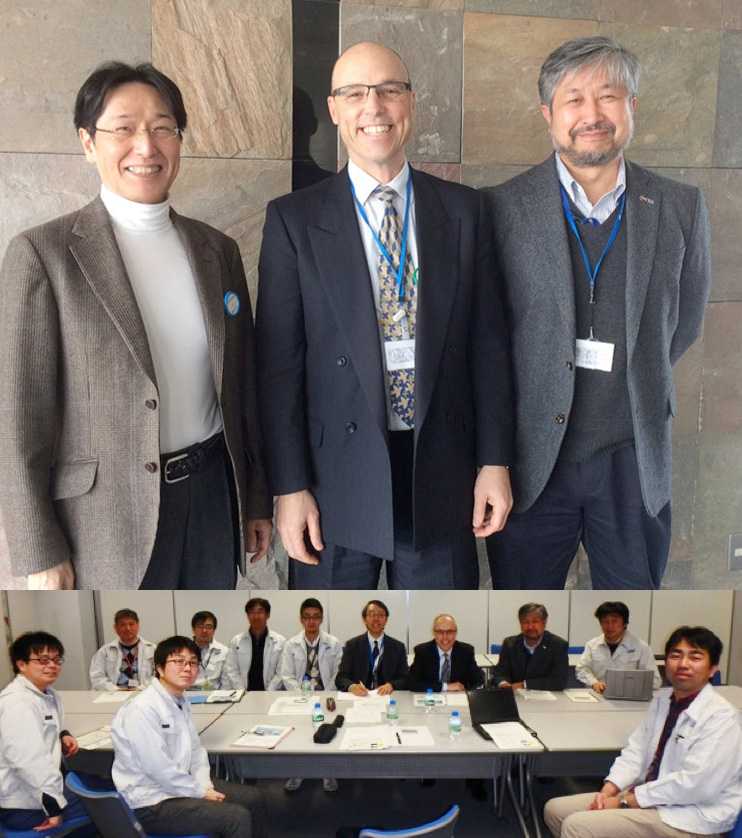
(385, 689)
(493, 500)
(213, 794)
(607, 797)
(358, 689)
(69, 745)
(297, 513)
(258, 538)
(455, 687)
(61, 577)
(49, 823)
(599, 686)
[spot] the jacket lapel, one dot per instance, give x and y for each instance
(343, 269)
(99, 259)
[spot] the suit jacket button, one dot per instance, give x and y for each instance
(151, 467)
(569, 365)
(350, 427)
(341, 361)
(452, 349)
(560, 419)
(151, 404)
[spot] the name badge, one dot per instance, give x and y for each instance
(594, 355)
(400, 354)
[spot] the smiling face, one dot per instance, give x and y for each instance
(41, 675)
(203, 632)
(590, 119)
(532, 626)
(139, 168)
(375, 619)
(445, 631)
(688, 668)
(375, 132)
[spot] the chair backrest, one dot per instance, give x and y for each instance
(737, 831)
(440, 828)
(58, 832)
(575, 650)
(107, 809)
(495, 648)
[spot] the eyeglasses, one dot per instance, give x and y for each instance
(445, 631)
(126, 134)
(375, 614)
(45, 661)
(387, 91)
(182, 663)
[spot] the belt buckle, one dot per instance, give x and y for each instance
(170, 460)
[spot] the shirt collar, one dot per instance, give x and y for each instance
(364, 184)
(577, 193)
(379, 639)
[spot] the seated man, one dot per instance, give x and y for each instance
(124, 663)
(616, 648)
(254, 656)
(162, 770)
(315, 654)
(681, 773)
(535, 659)
(444, 664)
(211, 670)
(373, 661)
(32, 792)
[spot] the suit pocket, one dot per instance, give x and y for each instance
(70, 480)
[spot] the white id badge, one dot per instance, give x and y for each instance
(400, 354)
(594, 355)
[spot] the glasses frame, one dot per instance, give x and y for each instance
(130, 138)
(183, 663)
(338, 91)
(45, 661)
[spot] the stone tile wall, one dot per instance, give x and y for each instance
(688, 126)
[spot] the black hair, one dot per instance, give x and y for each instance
(378, 603)
(169, 645)
(202, 617)
(311, 603)
(33, 643)
(619, 609)
(257, 600)
(91, 97)
(699, 637)
(125, 614)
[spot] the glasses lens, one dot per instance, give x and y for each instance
(182, 663)
(45, 660)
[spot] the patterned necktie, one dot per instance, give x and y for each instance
(374, 666)
(313, 667)
(401, 382)
(446, 669)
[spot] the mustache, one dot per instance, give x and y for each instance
(598, 126)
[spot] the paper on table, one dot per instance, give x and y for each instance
(113, 697)
(262, 736)
(457, 699)
(224, 696)
(100, 738)
(359, 715)
(419, 698)
(418, 736)
(512, 736)
(581, 695)
(290, 707)
(376, 738)
(537, 695)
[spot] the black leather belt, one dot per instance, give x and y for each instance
(182, 464)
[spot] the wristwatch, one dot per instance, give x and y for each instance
(624, 803)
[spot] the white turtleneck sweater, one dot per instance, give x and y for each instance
(165, 290)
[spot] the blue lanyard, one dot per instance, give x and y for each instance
(571, 221)
(398, 272)
(371, 655)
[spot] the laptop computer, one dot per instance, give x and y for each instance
(491, 706)
(629, 684)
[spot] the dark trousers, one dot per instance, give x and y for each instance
(241, 815)
(450, 563)
(29, 818)
(197, 542)
(598, 503)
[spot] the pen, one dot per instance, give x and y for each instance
(399, 738)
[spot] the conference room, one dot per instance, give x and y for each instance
(574, 741)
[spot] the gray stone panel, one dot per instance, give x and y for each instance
(703, 14)
(47, 50)
(444, 5)
(687, 375)
(503, 55)
(721, 383)
(684, 489)
(479, 175)
(675, 110)
(430, 42)
(582, 9)
(728, 139)
(725, 211)
(731, 14)
(232, 60)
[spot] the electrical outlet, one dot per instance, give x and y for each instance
(735, 551)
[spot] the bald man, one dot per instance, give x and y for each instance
(382, 357)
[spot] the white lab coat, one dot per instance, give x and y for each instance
(699, 786)
(239, 658)
(30, 750)
(212, 670)
(294, 660)
(106, 664)
(157, 750)
(631, 653)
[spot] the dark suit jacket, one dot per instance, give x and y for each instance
(425, 669)
(78, 396)
(322, 392)
(546, 669)
(668, 277)
(355, 665)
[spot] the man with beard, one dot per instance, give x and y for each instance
(607, 273)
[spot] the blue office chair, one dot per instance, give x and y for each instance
(58, 832)
(440, 828)
(716, 678)
(496, 648)
(575, 650)
(737, 831)
(110, 813)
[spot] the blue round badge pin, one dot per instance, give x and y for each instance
(231, 303)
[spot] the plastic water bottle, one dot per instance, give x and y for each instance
(392, 714)
(429, 700)
(454, 725)
(318, 715)
(306, 688)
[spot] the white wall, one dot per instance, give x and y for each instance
(582, 622)
(503, 612)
